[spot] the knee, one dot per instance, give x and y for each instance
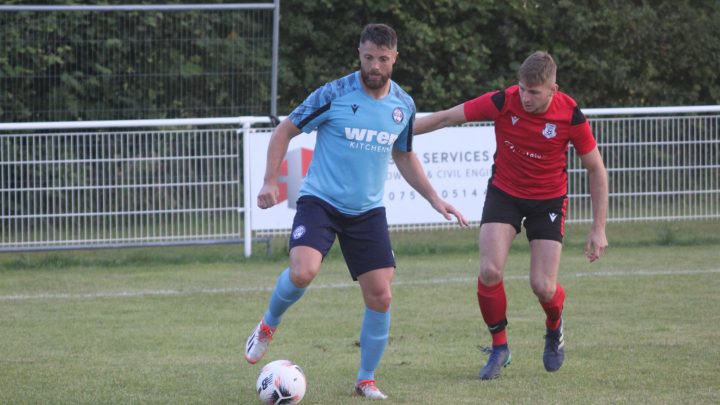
(302, 276)
(543, 290)
(490, 274)
(380, 302)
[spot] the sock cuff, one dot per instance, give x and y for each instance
(286, 287)
(558, 298)
(376, 324)
(489, 290)
(374, 319)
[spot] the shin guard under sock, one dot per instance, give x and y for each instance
(284, 295)
(373, 339)
(553, 308)
(493, 306)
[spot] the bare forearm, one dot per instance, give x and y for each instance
(440, 119)
(413, 173)
(275, 154)
(598, 185)
(277, 149)
(429, 123)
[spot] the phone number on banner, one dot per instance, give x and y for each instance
(445, 194)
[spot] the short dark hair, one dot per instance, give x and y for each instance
(380, 35)
(538, 68)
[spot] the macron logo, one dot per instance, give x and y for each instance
(552, 216)
(370, 136)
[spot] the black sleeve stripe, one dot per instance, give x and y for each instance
(498, 99)
(312, 116)
(578, 117)
(410, 133)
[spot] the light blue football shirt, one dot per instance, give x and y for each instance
(355, 137)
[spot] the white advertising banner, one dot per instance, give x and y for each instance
(457, 161)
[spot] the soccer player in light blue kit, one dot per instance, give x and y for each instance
(361, 119)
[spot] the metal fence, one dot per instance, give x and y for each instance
(144, 61)
(75, 185)
(663, 164)
(120, 188)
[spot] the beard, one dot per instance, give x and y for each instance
(374, 83)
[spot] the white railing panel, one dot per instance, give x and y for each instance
(92, 185)
(92, 189)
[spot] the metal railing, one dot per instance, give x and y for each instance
(72, 185)
(112, 188)
(663, 164)
(138, 61)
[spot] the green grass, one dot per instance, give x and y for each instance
(169, 325)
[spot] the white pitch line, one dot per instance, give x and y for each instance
(432, 281)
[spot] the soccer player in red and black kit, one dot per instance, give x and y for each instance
(534, 123)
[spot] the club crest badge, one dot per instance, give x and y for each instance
(549, 131)
(298, 232)
(398, 115)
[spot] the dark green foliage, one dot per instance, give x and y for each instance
(90, 65)
(610, 53)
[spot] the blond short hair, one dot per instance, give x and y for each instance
(538, 68)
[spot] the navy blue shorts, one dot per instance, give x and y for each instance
(364, 239)
(543, 219)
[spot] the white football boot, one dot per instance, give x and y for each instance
(258, 342)
(368, 389)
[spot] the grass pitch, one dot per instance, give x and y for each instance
(169, 325)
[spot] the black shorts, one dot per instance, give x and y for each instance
(543, 219)
(364, 239)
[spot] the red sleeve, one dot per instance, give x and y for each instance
(583, 139)
(483, 108)
(582, 136)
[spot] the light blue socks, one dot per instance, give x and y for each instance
(373, 335)
(373, 339)
(284, 295)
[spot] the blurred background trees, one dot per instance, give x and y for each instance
(610, 53)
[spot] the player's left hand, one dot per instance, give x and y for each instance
(448, 211)
(595, 245)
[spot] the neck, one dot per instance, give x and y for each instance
(377, 93)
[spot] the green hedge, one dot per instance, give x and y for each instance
(610, 53)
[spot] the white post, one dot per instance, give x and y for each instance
(247, 198)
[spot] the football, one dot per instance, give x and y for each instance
(281, 382)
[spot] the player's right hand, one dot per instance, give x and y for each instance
(595, 245)
(268, 196)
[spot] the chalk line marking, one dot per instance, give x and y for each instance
(241, 290)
